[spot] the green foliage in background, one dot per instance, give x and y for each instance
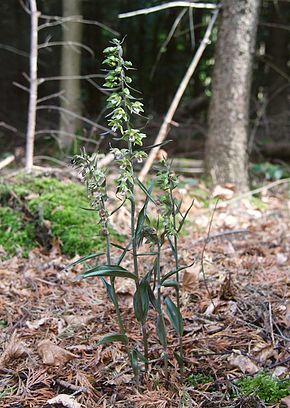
(270, 171)
(57, 204)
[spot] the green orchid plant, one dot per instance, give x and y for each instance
(123, 108)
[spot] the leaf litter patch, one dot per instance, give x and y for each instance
(236, 324)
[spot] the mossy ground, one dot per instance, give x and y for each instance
(56, 204)
(268, 389)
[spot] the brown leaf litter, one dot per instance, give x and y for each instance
(236, 320)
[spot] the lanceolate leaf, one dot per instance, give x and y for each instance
(113, 337)
(125, 250)
(84, 259)
(169, 274)
(172, 247)
(179, 359)
(174, 316)
(142, 216)
(113, 271)
(134, 361)
(141, 301)
(184, 217)
(157, 145)
(110, 292)
(141, 357)
(171, 283)
(144, 189)
(161, 331)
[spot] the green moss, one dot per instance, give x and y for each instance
(62, 205)
(265, 387)
(15, 232)
(199, 378)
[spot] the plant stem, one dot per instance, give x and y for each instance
(164, 342)
(112, 281)
(175, 243)
(136, 272)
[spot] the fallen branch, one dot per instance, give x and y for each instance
(175, 102)
(6, 162)
(252, 192)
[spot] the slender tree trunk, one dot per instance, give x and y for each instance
(277, 53)
(226, 147)
(70, 66)
(30, 135)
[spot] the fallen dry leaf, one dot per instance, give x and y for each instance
(222, 193)
(63, 400)
(285, 403)
(35, 324)
(263, 352)
(14, 350)
(78, 321)
(190, 281)
(52, 354)
(243, 363)
(280, 371)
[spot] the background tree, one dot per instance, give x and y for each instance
(226, 147)
(71, 72)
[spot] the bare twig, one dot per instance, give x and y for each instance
(49, 44)
(252, 192)
(69, 77)
(54, 132)
(9, 127)
(14, 50)
(221, 235)
(175, 102)
(20, 86)
(70, 113)
(165, 6)
(73, 19)
(52, 96)
(166, 42)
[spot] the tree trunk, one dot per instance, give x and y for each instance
(30, 134)
(277, 53)
(226, 147)
(70, 69)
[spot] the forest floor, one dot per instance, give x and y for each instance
(236, 318)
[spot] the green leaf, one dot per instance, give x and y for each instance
(172, 247)
(157, 145)
(125, 250)
(169, 274)
(171, 283)
(184, 217)
(161, 331)
(114, 271)
(152, 298)
(174, 315)
(141, 357)
(146, 253)
(141, 301)
(144, 189)
(110, 292)
(142, 216)
(179, 359)
(111, 338)
(83, 259)
(134, 362)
